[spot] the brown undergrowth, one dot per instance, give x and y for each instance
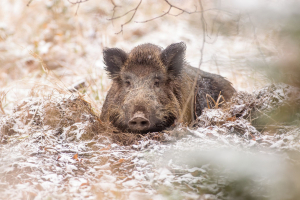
(268, 111)
(71, 117)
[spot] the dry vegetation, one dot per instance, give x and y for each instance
(56, 43)
(52, 144)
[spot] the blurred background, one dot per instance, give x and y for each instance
(48, 46)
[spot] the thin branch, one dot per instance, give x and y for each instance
(216, 37)
(211, 103)
(78, 2)
(114, 10)
(172, 6)
(168, 12)
(134, 10)
(177, 14)
(29, 2)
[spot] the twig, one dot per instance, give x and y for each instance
(212, 29)
(134, 12)
(114, 10)
(29, 2)
(168, 12)
(218, 101)
(172, 6)
(182, 11)
(78, 2)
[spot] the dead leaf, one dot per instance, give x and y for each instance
(75, 156)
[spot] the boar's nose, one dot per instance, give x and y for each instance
(139, 122)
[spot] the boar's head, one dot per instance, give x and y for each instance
(145, 95)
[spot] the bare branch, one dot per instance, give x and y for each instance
(168, 12)
(134, 10)
(172, 6)
(29, 2)
(114, 10)
(77, 2)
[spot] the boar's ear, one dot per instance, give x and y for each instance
(114, 59)
(173, 57)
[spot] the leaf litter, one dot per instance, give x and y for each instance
(57, 148)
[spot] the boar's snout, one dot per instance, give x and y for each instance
(139, 122)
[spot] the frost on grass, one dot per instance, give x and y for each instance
(57, 148)
(68, 117)
(277, 104)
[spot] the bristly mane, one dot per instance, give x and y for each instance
(145, 54)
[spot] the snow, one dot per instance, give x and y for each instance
(43, 133)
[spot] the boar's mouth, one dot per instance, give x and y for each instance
(157, 126)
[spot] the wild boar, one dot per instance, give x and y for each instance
(153, 88)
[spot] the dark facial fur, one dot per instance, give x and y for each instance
(145, 95)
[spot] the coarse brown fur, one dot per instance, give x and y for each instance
(152, 88)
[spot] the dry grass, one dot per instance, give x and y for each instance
(211, 103)
(46, 45)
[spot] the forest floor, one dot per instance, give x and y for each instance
(53, 145)
(56, 148)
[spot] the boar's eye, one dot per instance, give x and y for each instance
(156, 83)
(127, 83)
